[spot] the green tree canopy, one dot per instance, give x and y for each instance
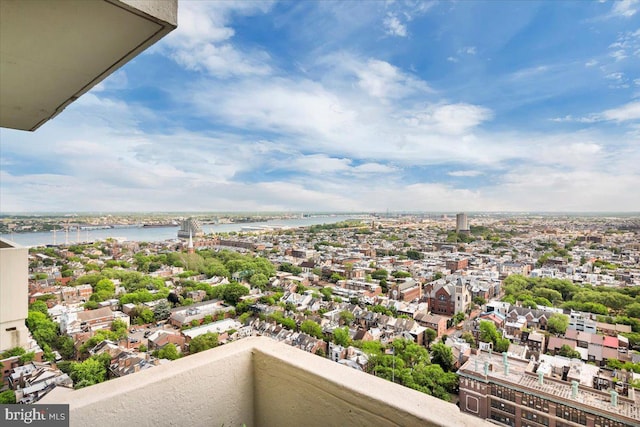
(443, 356)
(430, 335)
(8, 396)
(310, 327)
(169, 352)
(341, 336)
(203, 342)
(567, 351)
(558, 323)
(87, 373)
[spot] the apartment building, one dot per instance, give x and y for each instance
(550, 392)
(13, 295)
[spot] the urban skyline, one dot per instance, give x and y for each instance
(322, 106)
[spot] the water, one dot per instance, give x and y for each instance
(141, 234)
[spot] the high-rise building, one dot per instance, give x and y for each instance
(14, 295)
(190, 228)
(462, 223)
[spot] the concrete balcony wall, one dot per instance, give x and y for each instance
(258, 382)
(212, 388)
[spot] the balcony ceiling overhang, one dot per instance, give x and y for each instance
(53, 51)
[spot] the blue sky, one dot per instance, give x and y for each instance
(353, 106)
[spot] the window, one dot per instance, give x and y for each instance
(504, 407)
(535, 402)
(536, 418)
(503, 392)
(606, 422)
(571, 414)
(502, 418)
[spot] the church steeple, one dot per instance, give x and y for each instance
(190, 249)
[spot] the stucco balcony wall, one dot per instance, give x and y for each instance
(257, 382)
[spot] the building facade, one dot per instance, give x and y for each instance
(14, 295)
(553, 392)
(462, 223)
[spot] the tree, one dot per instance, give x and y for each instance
(169, 352)
(232, 292)
(310, 327)
(341, 336)
(479, 300)
(161, 311)
(558, 323)
(326, 293)
(401, 274)
(12, 352)
(91, 305)
(443, 356)
(119, 327)
(335, 277)
(259, 280)
(633, 310)
(290, 268)
(429, 336)
(458, 317)
(415, 255)
(8, 396)
(347, 317)
(39, 306)
(469, 338)
(173, 298)
(27, 357)
(203, 342)
(87, 373)
(502, 344)
(142, 348)
(380, 274)
(488, 332)
(146, 315)
(567, 351)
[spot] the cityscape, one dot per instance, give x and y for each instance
(272, 213)
(513, 318)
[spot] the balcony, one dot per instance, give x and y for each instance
(52, 52)
(255, 381)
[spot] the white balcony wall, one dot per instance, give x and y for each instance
(257, 382)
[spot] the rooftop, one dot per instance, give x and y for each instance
(522, 375)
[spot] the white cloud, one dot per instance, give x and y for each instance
(618, 55)
(627, 112)
(625, 8)
(591, 63)
(203, 39)
(465, 173)
(382, 80)
(374, 168)
(452, 59)
(393, 26)
(469, 50)
(530, 72)
(347, 133)
(320, 164)
(452, 119)
(630, 111)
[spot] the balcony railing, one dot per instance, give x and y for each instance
(257, 382)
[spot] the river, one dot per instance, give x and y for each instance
(156, 234)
